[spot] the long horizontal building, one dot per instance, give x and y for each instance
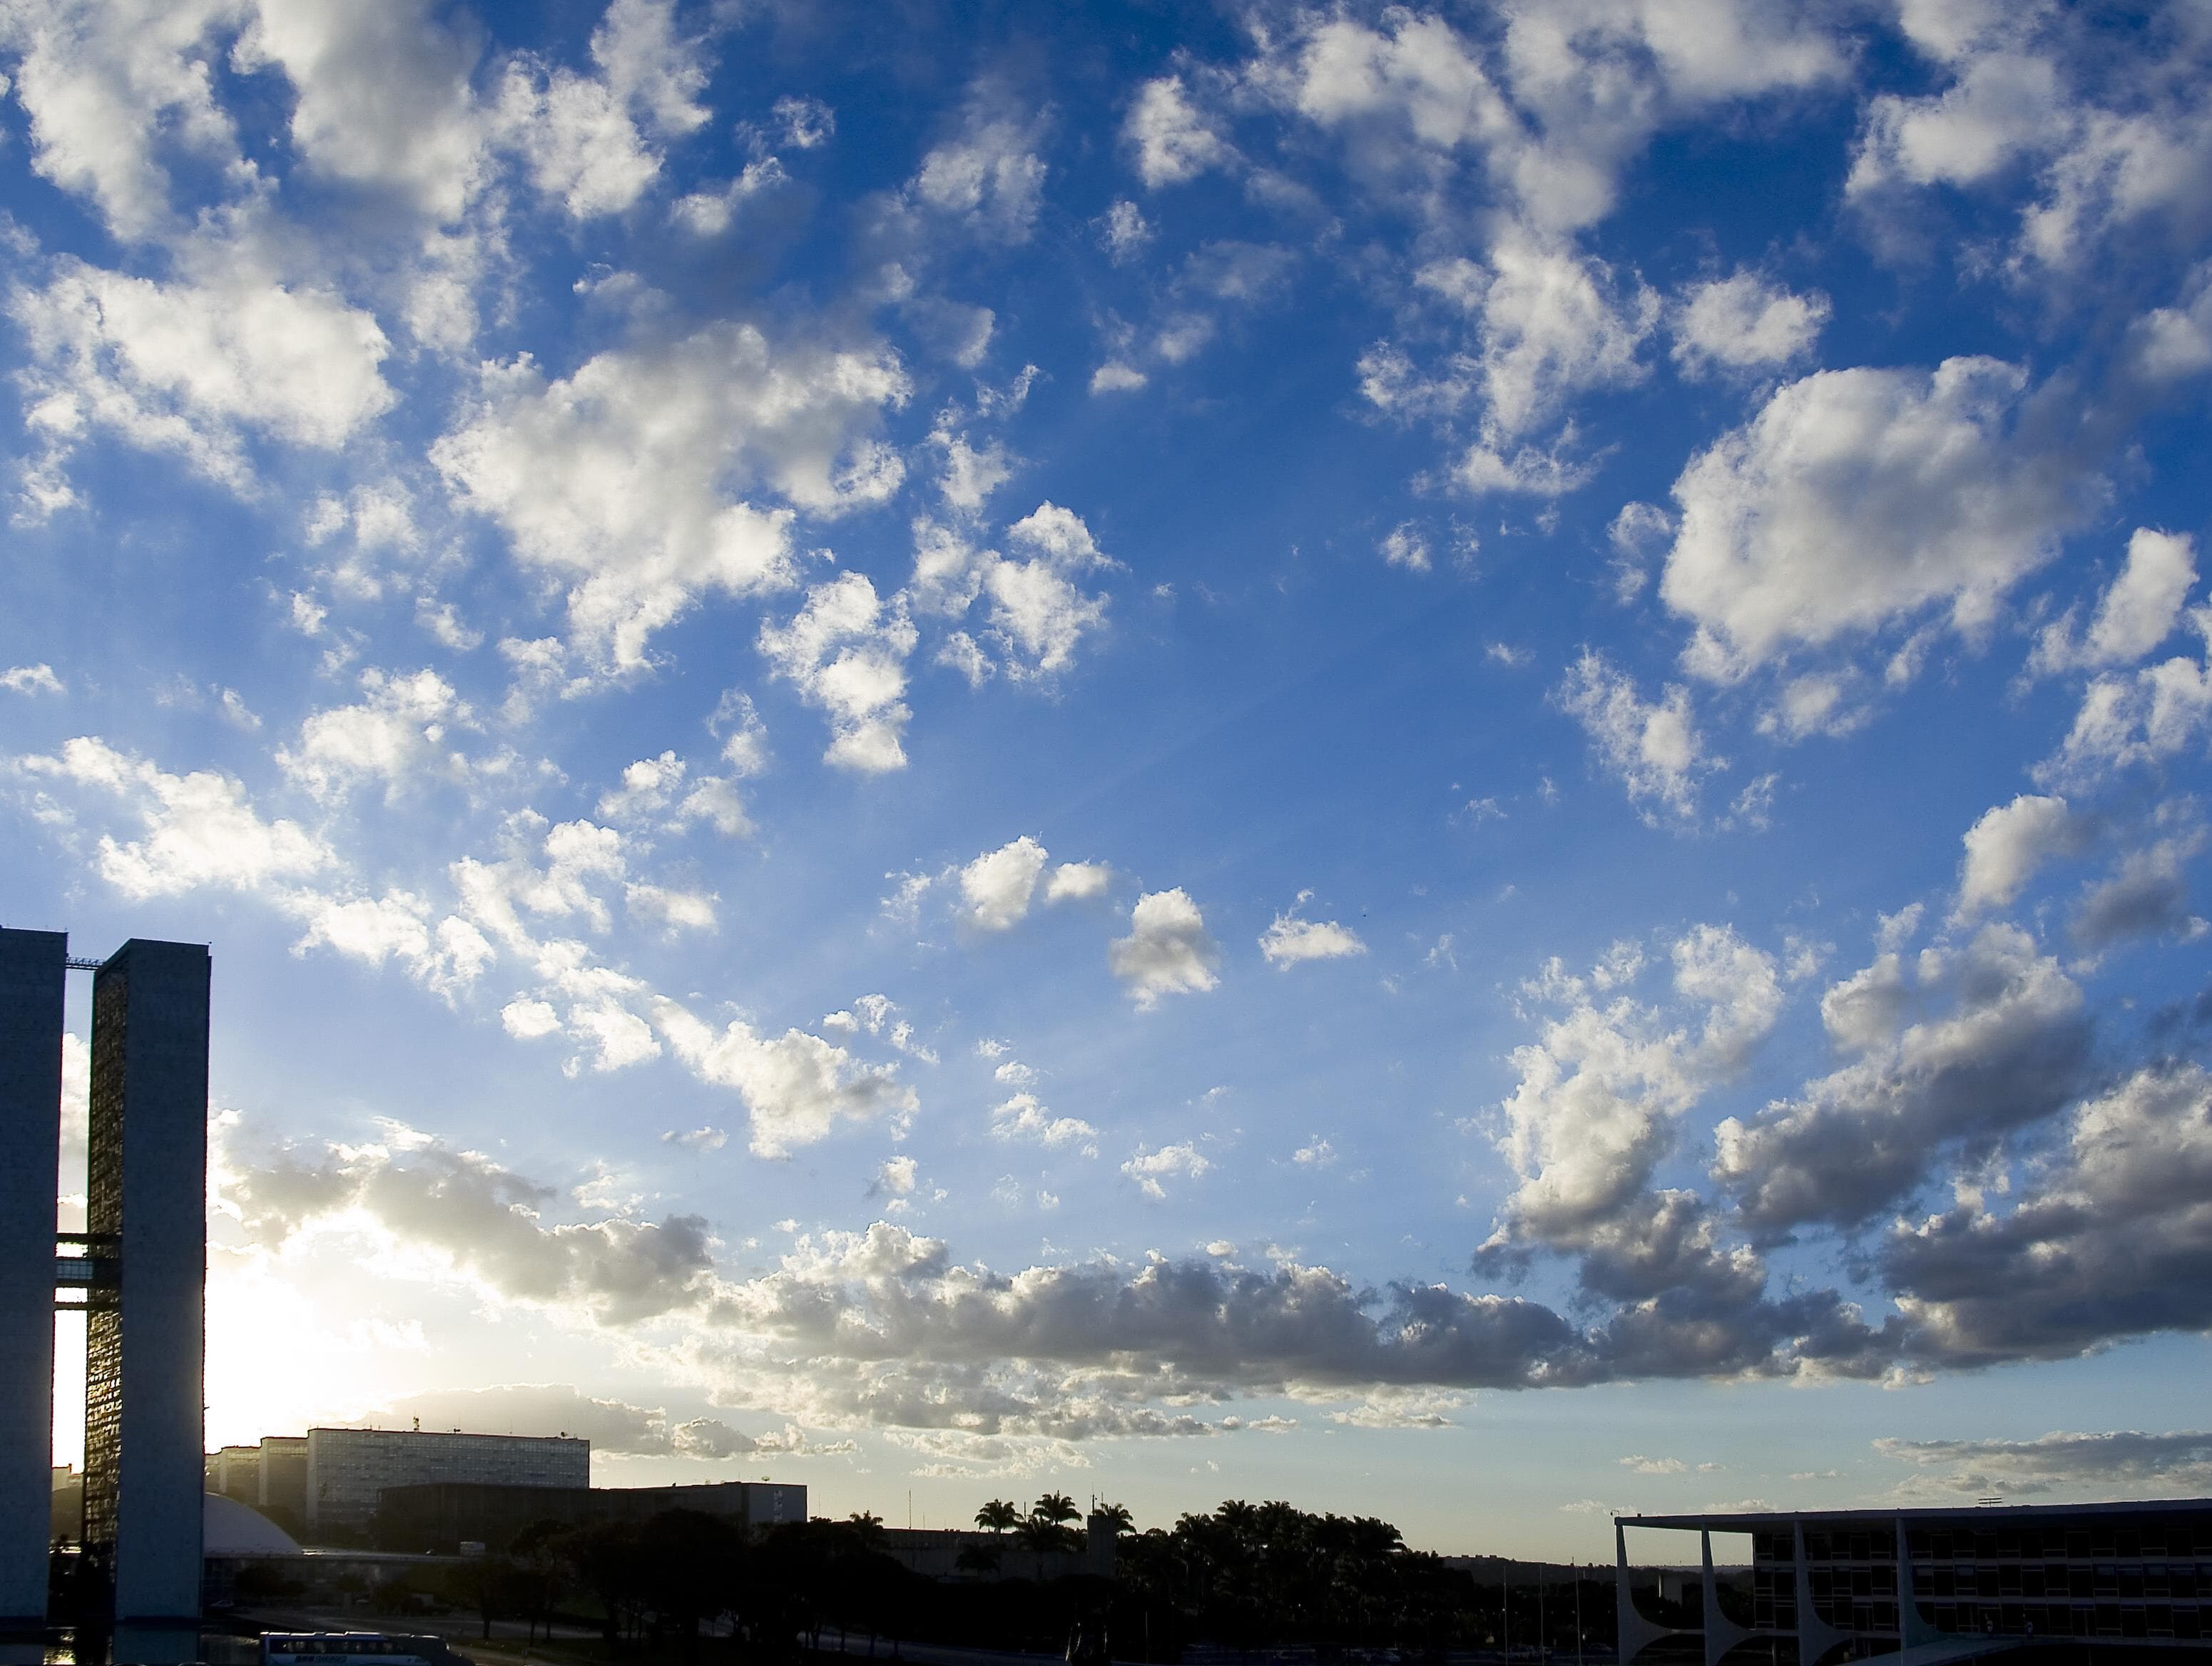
(2056, 1582)
(348, 1470)
(441, 1517)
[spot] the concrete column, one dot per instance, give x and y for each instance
(149, 1141)
(1815, 1636)
(30, 967)
(1633, 1632)
(1911, 1629)
(1722, 1634)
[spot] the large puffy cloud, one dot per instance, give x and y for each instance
(2112, 1236)
(193, 366)
(619, 478)
(877, 1326)
(1602, 1086)
(2118, 1463)
(1950, 493)
(200, 829)
(99, 79)
(486, 1222)
(396, 733)
(887, 1295)
(1169, 951)
(381, 97)
(2116, 140)
(587, 140)
(2010, 1051)
(885, 1327)
(1595, 82)
(797, 1087)
(1548, 119)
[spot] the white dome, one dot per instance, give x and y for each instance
(228, 1527)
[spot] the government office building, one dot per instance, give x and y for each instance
(2070, 1584)
(349, 1469)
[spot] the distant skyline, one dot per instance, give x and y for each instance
(1450, 763)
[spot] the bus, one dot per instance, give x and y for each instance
(352, 1649)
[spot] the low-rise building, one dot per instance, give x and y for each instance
(234, 1472)
(348, 1470)
(2053, 1580)
(441, 1517)
(967, 1556)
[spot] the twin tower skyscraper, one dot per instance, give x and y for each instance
(138, 1271)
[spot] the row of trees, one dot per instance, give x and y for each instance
(1049, 1524)
(1245, 1575)
(658, 1584)
(1258, 1576)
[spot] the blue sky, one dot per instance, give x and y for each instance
(1178, 752)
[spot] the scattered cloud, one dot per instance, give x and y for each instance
(1654, 747)
(1167, 951)
(1292, 941)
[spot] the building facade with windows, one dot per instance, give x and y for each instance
(2062, 1581)
(282, 1482)
(347, 1469)
(136, 1272)
(441, 1517)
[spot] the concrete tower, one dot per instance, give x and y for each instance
(140, 1265)
(30, 1140)
(144, 1415)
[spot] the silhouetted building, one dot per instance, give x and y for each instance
(964, 1555)
(146, 1212)
(282, 1482)
(348, 1469)
(2050, 1580)
(441, 1517)
(31, 969)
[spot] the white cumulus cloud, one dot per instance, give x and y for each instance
(1167, 951)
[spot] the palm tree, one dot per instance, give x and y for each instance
(866, 1527)
(1055, 1507)
(1043, 1530)
(1118, 1517)
(998, 1516)
(1241, 1519)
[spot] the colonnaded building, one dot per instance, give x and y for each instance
(137, 1271)
(2066, 1584)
